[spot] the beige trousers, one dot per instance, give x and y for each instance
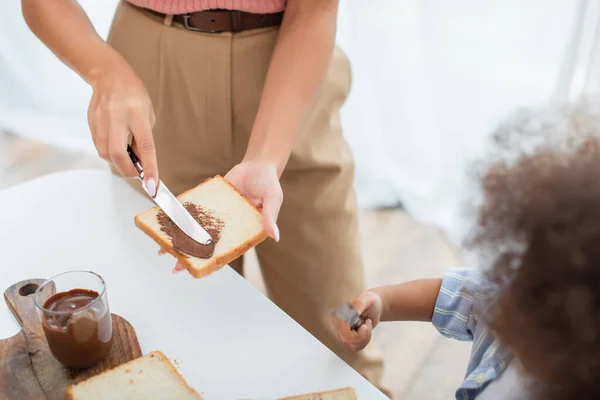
(205, 89)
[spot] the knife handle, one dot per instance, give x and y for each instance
(358, 322)
(348, 314)
(135, 160)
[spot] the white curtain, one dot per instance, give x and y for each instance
(40, 98)
(431, 78)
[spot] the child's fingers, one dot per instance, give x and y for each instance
(353, 340)
(360, 304)
(161, 252)
(342, 330)
(365, 329)
(362, 337)
(344, 333)
(364, 304)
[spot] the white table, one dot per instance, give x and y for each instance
(230, 340)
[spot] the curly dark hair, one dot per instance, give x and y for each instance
(538, 236)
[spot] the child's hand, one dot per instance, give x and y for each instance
(369, 306)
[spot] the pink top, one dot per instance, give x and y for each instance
(186, 6)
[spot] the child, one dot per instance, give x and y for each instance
(533, 309)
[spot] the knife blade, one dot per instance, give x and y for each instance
(172, 206)
(348, 314)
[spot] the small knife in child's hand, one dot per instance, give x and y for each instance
(348, 314)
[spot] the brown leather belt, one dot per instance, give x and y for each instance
(227, 21)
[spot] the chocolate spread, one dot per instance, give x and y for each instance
(80, 336)
(186, 244)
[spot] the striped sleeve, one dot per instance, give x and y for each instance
(452, 315)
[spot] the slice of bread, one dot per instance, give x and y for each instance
(149, 377)
(339, 394)
(242, 228)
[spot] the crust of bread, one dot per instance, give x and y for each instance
(70, 395)
(175, 371)
(349, 389)
(216, 262)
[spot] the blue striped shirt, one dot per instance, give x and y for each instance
(456, 316)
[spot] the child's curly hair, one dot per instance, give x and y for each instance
(538, 231)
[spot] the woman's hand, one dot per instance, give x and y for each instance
(259, 183)
(120, 113)
(369, 305)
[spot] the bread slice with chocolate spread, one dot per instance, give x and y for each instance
(233, 222)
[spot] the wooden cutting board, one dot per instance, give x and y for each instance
(27, 368)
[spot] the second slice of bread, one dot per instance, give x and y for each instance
(149, 377)
(347, 393)
(242, 225)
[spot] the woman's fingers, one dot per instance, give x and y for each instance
(117, 148)
(116, 123)
(270, 211)
(111, 137)
(178, 267)
(144, 144)
(100, 131)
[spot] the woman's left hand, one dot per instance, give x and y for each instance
(259, 183)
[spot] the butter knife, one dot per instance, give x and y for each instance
(348, 314)
(172, 206)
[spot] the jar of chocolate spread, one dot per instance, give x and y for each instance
(75, 317)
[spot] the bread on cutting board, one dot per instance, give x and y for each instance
(339, 394)
(241, 229)
(149, 377)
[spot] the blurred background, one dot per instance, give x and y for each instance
(431, 80)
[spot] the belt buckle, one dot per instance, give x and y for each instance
(186, 25)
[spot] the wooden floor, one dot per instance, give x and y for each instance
(420, 364)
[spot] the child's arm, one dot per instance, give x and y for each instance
(446, 302)
(409, 301)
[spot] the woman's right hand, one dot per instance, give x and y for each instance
(120, 113)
